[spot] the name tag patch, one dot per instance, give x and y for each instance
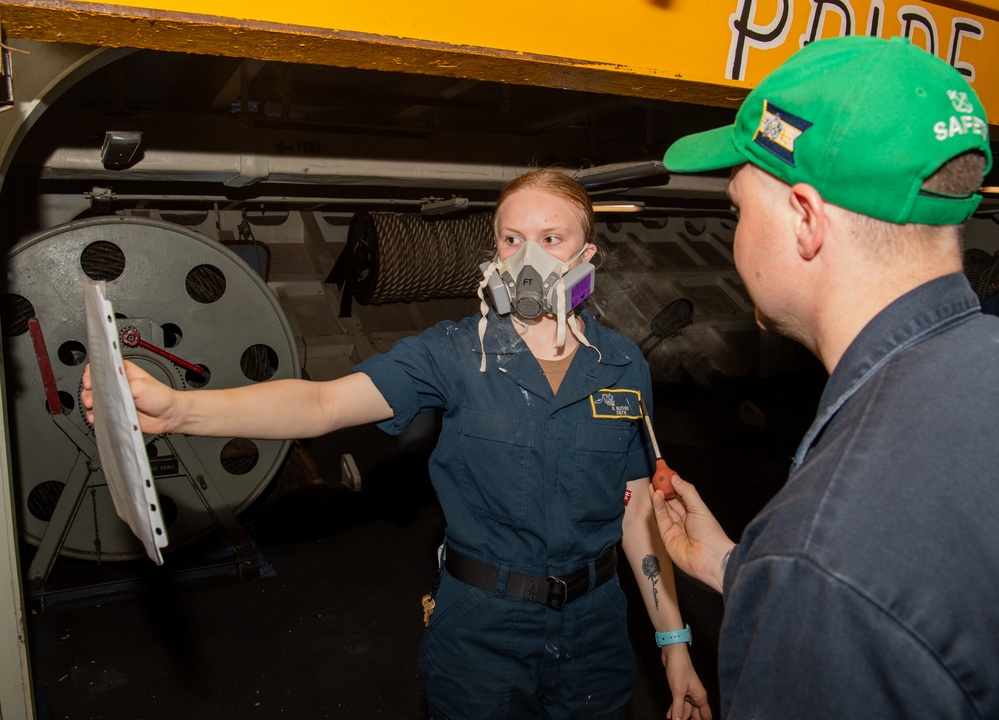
(616, 404)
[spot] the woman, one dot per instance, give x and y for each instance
(542, 441)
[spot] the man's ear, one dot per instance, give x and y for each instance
(810, 211)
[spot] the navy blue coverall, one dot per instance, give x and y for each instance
(534, 483)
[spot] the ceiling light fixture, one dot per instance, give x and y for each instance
(618, 207)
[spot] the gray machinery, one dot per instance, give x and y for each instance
(192, 314)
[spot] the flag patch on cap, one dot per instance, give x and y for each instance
(778, 131)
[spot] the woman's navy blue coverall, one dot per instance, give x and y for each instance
(533, 483)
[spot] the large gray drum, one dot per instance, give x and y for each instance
(192, 314)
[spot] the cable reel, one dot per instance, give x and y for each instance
(193, 315)
(406, 257)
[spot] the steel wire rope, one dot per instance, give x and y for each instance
(421, 259)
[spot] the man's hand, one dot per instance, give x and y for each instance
(693, 538)
(155, 403)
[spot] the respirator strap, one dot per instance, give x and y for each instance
(560, 311)
(561, 315)
(484, 311)
(578, 334)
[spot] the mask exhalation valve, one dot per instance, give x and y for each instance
(530, 293)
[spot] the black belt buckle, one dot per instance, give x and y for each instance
(558, 593)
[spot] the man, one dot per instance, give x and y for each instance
(868, 586)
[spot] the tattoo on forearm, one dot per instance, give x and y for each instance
(650, 566)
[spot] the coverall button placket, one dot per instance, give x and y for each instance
(551, 481)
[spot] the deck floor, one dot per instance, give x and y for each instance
(331, 624)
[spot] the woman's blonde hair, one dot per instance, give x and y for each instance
(561, 185)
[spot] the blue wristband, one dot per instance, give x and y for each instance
(674, 636)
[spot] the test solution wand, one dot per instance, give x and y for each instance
(661, 477)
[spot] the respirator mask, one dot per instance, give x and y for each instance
(532, 281)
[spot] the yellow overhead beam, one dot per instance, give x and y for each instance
(700, 51)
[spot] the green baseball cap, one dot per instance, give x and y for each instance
(864, 121)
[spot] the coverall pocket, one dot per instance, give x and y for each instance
(497, 458)
(598, 482)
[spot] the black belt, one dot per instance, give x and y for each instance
(552, 591)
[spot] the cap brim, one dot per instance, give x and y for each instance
(709, 150)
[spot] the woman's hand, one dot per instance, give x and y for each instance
(155, 403)
(690, 699)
